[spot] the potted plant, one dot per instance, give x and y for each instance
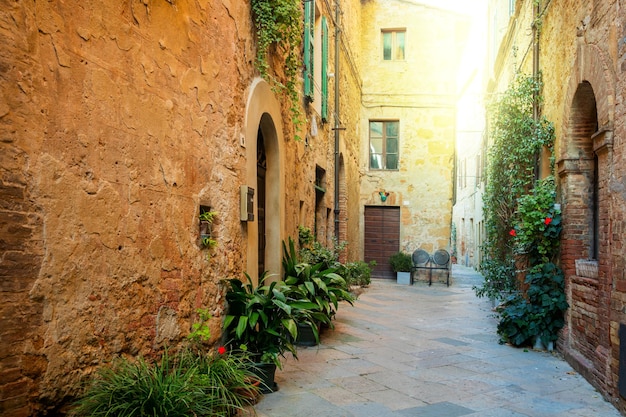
(261, 321)
(401, 263)
(206, 222)
(319, 284)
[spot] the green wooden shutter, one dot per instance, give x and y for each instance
(324, 69)
(309, 41)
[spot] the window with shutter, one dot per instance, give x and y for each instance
(324, 69)
(309, 41)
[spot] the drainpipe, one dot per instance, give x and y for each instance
(536, 15)
(337, 126)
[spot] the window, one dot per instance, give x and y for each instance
(316, 40)
(393, 45)
(384, 145)
(309, 42)
(324, 109)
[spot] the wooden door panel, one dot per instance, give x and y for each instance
(381, 238)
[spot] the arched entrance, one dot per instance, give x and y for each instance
(585, 154)
(262, 139)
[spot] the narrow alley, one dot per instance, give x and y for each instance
(426, 351)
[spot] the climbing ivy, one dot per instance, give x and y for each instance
(523, 221)
(517, 140)
(278, 24)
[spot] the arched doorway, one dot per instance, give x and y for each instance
(585, 158)
(262, 140)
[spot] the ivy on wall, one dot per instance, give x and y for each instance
(517, 140)
(523, 223)
(278, 25)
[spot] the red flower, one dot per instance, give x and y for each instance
(512, 232)
(221, 350)
(548, 221)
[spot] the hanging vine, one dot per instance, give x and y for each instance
(517, 142)
(523, 221)
(278, 24)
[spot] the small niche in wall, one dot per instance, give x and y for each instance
(206, 218)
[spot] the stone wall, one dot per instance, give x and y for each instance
(580, 54)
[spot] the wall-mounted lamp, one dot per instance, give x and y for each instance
(383, 196)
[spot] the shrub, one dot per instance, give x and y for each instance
(357, 273)
(401, 262)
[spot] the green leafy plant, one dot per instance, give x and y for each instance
(538, 309)
(227, 376)
(358, 273)
(319, 284)
(401, 262)
(206, 221)
(278, 24)
(262, 318)
(316, 253)
(200, 330)
(305, 236)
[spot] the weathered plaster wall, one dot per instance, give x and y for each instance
(117, 120)
(114, 116)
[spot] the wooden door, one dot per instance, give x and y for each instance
(382, 238)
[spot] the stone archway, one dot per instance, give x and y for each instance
(585, 157)
(263, 119)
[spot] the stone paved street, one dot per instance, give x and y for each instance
(426, 351)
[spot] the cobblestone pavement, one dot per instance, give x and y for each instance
(426, 351)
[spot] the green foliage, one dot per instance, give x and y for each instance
(517, 142)
(228, 378)
(278, 24)
(319, 284)
(522, 222)
(200, 330)
(318, 253)
(537, 233)
(539, 311)
(358, 273)
(401, 262)
(262, 318)
(137, 388)
(305, 236)
(207, 240)
(540, 314)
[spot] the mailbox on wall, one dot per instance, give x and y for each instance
(247, 203)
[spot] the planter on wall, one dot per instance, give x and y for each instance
(403, 278)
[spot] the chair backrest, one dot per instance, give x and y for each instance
(441, 257)
(420, 256)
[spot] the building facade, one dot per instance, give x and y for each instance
(410, 57)
(578, 47)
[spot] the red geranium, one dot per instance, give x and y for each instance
(548, 221)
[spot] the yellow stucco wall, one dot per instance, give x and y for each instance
(419, 92)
